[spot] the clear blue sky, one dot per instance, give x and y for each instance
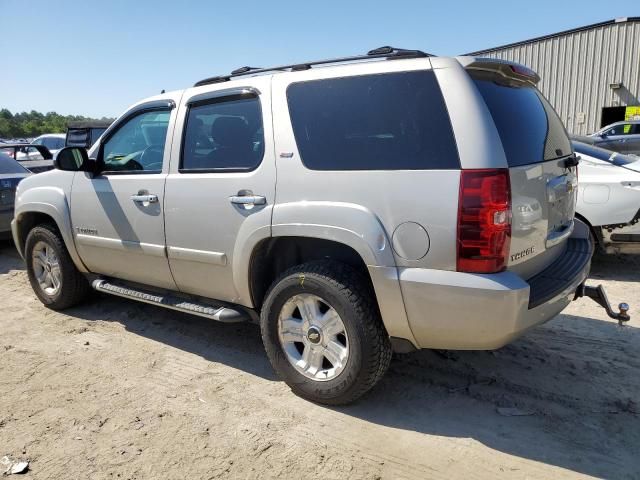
(95, 58)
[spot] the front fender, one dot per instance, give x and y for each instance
(51, 201)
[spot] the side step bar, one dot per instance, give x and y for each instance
(220, 313)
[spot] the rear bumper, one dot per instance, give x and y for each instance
(463, 311)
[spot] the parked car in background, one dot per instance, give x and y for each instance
(609, 197)
(53, 141)
(85, 133)
(11, 173)
(36, 158)
(622, 137)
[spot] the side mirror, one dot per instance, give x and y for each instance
(74, 159)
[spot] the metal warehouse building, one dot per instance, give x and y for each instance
(591, 74)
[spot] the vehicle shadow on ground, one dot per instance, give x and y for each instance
(622, 268)
(13, 260)
(548, 377)
(566, 394)
(237, 345)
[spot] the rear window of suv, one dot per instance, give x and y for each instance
(529, 128)
(393, 121)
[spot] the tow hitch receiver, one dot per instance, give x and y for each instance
(598, 295)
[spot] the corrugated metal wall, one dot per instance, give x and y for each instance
(577, 69)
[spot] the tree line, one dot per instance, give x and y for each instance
(33, 124)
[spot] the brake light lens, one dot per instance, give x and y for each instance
(484, 220)
(522, 70)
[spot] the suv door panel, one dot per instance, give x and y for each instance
(116, 233)
(207, 230)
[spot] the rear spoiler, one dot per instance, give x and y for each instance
(505, 68)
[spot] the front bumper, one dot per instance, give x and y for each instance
(464, 311)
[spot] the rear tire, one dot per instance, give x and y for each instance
(53, 276)
(332, 349)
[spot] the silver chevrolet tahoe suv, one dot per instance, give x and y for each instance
(351, 207)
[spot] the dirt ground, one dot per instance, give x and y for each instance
(115, 389)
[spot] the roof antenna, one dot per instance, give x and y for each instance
(162, 91)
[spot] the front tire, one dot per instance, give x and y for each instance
(323, 333)
(53, 276)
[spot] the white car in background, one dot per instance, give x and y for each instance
(53, 141)
(609, 197)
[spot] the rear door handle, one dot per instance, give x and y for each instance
(248, 200)
(145, 198)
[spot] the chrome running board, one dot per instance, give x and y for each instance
(218, 312)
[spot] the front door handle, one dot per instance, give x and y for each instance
(247, 198)
(144, 198)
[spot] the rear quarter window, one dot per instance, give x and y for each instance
(529, 127)
(394, 121)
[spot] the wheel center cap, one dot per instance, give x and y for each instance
(314, 335)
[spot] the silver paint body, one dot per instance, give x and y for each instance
(402, 224)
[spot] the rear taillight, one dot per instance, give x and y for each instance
(484, 220)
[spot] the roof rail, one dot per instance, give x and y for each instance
(389, 53)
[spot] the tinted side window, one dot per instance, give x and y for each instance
(53, 143)
(394, 121)
(138, 144)
(223, 134)
(622, 129)
(95, 134)
(529, 128)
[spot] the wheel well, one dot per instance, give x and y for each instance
(28, 221)
(273, 256)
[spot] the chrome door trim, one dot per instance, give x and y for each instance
(121, 245)
(200, 256)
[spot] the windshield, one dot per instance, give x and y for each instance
(603, 154)
(529, 128)
(9, 165)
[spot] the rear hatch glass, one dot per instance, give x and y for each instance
(529, 128)
(543, 187)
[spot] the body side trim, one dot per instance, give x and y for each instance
(193, 255)
(121, 245)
